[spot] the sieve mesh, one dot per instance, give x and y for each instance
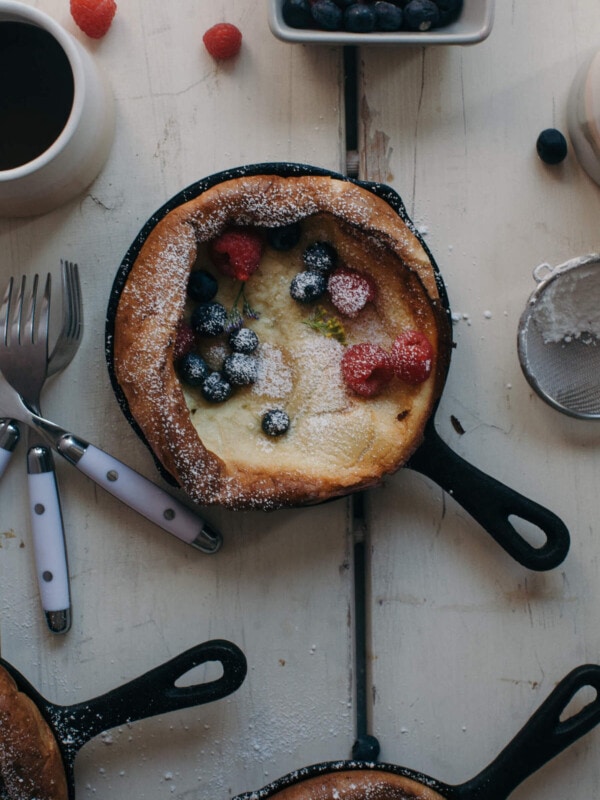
(559, 338)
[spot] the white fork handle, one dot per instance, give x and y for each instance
(142, 495)
(48, 539)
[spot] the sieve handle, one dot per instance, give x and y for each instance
(493, 504)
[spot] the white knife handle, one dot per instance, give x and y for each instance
(9, 436)
(142, 495)
(48, 539)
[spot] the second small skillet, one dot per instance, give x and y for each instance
(544, 736)
(150, 694)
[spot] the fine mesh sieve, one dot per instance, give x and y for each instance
(559, 336)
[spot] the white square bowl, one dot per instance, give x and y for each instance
(473, 26)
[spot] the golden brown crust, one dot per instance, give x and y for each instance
(218, 453)
(360, 784)
(31, 766)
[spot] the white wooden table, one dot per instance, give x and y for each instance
(465, 642)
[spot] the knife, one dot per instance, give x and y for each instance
(124, 483)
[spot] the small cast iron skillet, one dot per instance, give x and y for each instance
(487, 500)
(542, 738)
(151, 694)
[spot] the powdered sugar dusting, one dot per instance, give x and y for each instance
(214, 450)
(275, 377)
(569, 307)
(321, 387)
(347, 780)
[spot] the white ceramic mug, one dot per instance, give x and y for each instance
(583, 115)
(72, 160)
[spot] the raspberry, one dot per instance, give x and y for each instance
(184, 341)
(349, 291)
(93, 16)
(223, 41)
(366, 369)
(412, 357)
(237, 252)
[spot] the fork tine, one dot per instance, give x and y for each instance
(32, 318)
(5, 312)
(25, 312)
(78, 303)
(72, 299)
(15, 313)
(75, 299)
(71, 331)
(42, 317)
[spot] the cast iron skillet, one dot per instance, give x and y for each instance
(151, 694)
(487, 500)
(542, 738)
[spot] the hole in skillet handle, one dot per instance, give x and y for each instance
(493, 504)
(155, 692)
(543, 737)
(487, 500)
(547, 733)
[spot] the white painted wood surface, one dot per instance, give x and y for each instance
(466, 643)
(280, 588)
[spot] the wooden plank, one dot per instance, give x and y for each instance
(280, 588)
(465, 642)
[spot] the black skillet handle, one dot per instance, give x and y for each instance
(492, 504)
(540, 740)
(155, 692)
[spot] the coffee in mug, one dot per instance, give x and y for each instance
(56, 113)
(36, 92)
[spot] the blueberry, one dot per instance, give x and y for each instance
(551, 146)
(388, 17)
(359, 18)
(320, 257)
(421, 15)
(202, 286)
(193, 369)
(344, 3)
(284, 237)
(209, 319)
(296, 13)
(240, 369)
(327, 15)
(275, 422)
(216, 388)
(308, 286)
(449, 10)
(243, 340)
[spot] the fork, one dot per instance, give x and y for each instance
(44, 501)
(47, 527)
(126, 484)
